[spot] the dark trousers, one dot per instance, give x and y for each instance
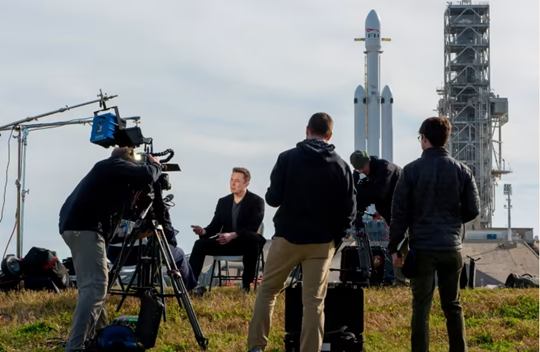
(179, 257)
(448, 265)
(183, 266)
(248, 245)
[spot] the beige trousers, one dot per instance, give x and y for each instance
(90, 261)
(283, 257)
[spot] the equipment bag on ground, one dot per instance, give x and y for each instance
(344, 318)
(41, 262)
(521, 281)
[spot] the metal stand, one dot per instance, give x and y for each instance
(23, 129)
(363, 247)
(146, 273)
(362, 242)
(472, 272)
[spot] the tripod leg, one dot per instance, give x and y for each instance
(114, 273)
(179, 288)
(135, 275)
(162, 289)
(121, 284)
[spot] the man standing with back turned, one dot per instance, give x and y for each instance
(434, 197)
(314, 190)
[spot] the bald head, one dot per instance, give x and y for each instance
(125, 153)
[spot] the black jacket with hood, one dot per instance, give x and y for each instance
(314, 190)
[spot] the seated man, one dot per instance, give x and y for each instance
(233, 230)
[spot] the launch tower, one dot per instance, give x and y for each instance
(477, 115)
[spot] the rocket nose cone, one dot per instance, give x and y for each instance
(373, 21)
(359, 92)
(386, 92)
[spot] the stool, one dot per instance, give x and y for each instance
(228, 277)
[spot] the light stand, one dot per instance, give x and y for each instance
(508, 193)
(22, 138)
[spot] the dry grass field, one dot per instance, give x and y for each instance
(497, 320)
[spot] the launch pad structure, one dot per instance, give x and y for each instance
(467, 100)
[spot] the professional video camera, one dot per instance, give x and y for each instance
(148, 212)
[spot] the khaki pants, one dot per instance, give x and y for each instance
(283, 257)
(90, 262)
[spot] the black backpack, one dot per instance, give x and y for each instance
(521, 281)
(41, 262)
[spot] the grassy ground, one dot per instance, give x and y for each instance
(497, 320)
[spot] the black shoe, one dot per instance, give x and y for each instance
(198, 291)
(246, 289)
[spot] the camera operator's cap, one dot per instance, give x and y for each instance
(359, 159)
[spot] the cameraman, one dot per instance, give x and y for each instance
(377, 188)
(85, 223)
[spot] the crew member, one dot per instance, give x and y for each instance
(234, 229)
(85, 224)
(434, 197)
(378, 189)
(313, 189)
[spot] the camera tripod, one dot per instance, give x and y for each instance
(149, 266)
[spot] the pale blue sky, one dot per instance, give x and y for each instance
(233, 83)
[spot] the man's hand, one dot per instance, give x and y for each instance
(198, 230)
(397, 261)
(224, 238)
(376, 216)
(153, 159)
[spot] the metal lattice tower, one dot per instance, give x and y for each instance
(476, 114)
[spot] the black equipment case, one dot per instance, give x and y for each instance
(355, 266)
(41, 263)
(344, 318)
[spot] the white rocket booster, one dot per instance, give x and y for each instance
(369, 104)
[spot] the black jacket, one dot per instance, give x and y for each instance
(103, 192)
(314, 190)
(249, 219)
(379, 187)
(434, 197)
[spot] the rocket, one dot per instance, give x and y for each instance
(372, 109)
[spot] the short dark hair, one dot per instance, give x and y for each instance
(321, 125)
(125, 153)
(243, 171)
(437, 130)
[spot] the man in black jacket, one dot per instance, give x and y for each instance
(378, 189)
(313, 188)
(85, 224)
(234, 229)
(434, 197)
